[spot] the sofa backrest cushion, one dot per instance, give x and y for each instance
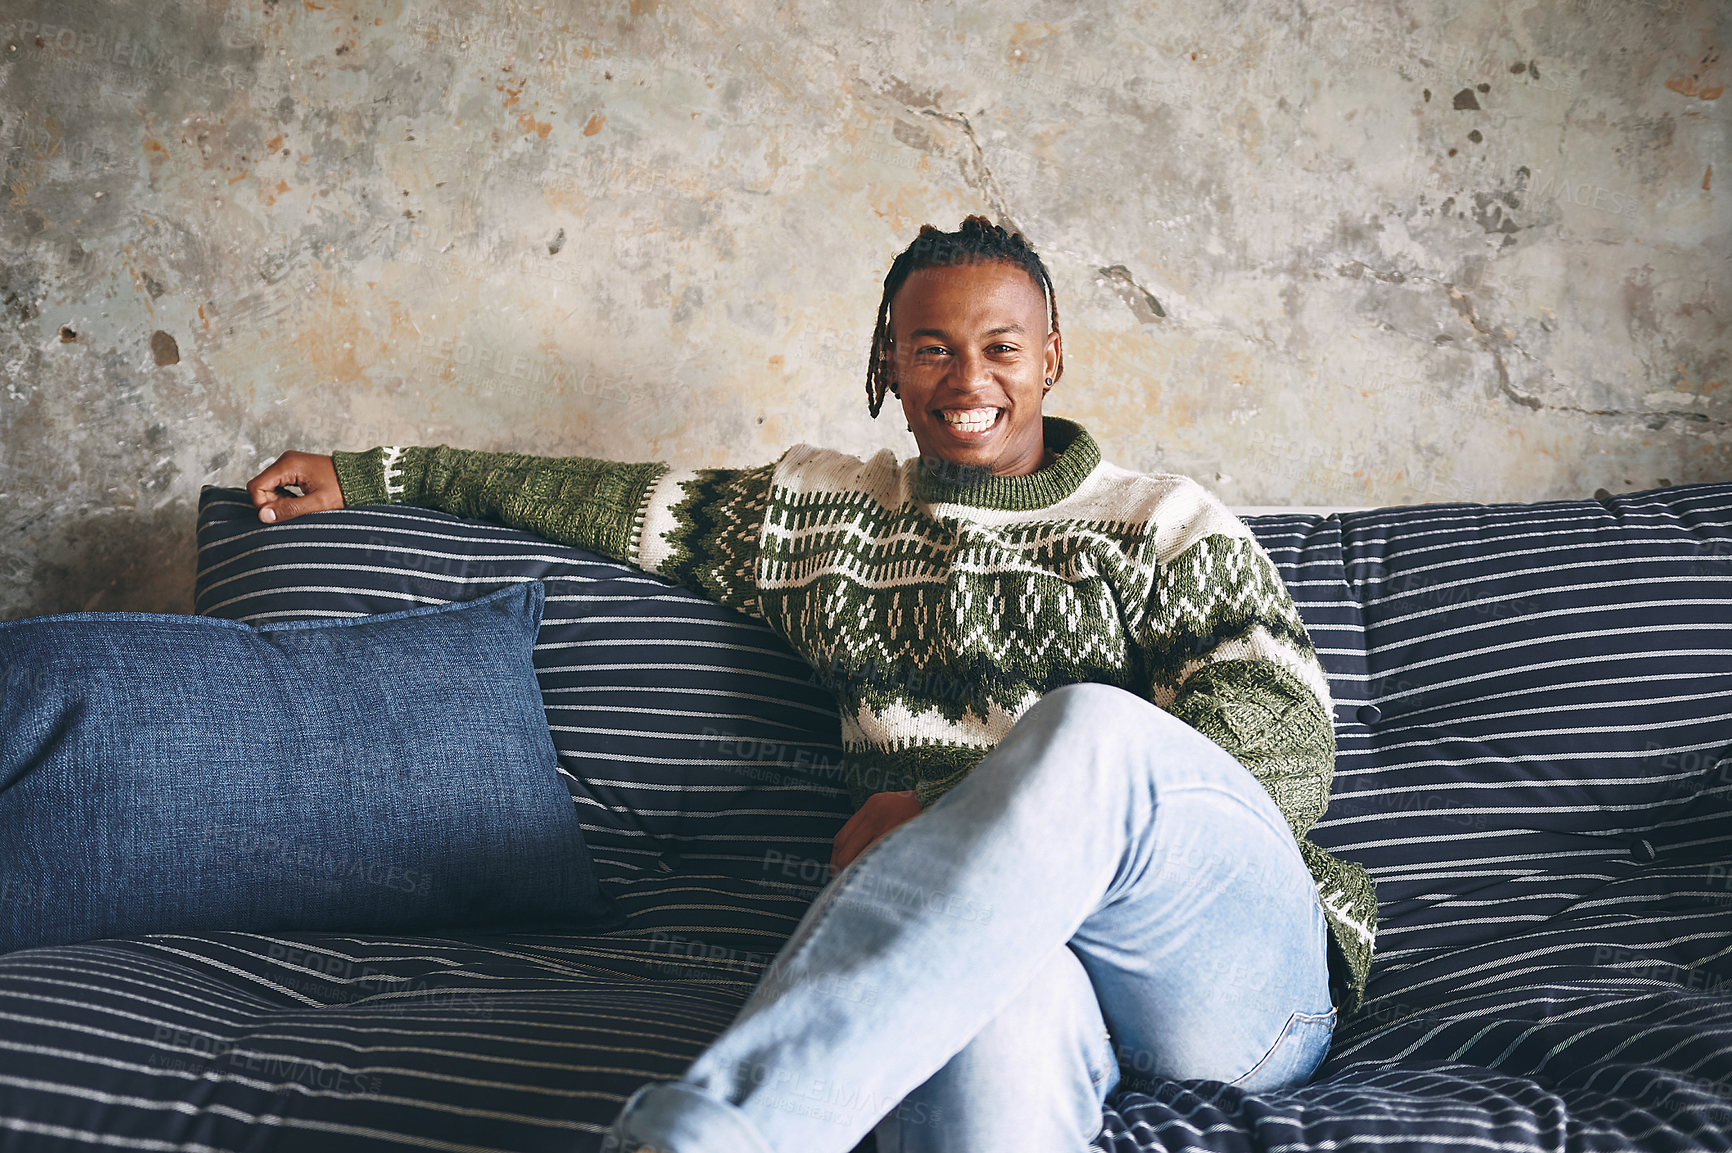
(1524, 693)
(689, 736)
(1521, 690)
(178, 774)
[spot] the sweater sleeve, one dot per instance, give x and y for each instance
(699, 529)
(1228, 654)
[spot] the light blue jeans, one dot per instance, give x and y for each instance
(1109, 895)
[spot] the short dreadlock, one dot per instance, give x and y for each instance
(978, 241)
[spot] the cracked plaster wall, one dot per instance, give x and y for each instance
(1352, 254)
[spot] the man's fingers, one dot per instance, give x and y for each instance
(845, 847)
(281, 471)
(882, 813)
(856, 837)
(288, 507)
(862, 843)
(281, 508)
(312, 475)
(839, 851)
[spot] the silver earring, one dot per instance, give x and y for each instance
(1049, 382)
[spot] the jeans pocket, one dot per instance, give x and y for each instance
(1289, 1063)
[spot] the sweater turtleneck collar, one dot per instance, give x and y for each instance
(1077, 454)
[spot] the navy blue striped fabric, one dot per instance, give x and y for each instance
(1541, 796)
(1552, 687)
(354, 1043)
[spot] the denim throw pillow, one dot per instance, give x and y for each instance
(164, 773)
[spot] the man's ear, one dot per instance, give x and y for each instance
(1054, 360)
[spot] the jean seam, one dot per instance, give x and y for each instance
(1111, 1063)
(1292, 1020)
(1330, 1016)
(839, 884)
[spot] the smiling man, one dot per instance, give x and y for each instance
(972, 359)
(1076, 701)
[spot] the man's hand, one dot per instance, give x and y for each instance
(881, 813)
(316, 477)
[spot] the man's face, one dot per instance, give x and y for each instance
(971, 354)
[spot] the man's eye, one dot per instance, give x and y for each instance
(1004, 347)
(933, 349)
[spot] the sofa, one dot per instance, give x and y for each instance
(1534, 720)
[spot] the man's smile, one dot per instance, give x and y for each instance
(971, 420)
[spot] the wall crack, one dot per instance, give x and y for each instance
(986, 183)
(1495, 340)
(1142, 303)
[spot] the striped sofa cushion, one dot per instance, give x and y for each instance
(230, 1042)
(689, 735)
(1533, 701)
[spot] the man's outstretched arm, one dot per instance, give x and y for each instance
(697, 528)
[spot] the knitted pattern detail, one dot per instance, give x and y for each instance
(1274, 726)
(702, 531)
(1349, 901)
(589, 504)
(1220, 589)
(392, 465)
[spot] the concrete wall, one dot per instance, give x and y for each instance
(1363, 253)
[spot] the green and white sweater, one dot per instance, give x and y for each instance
(939, 608)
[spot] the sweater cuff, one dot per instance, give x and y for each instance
(383, 475)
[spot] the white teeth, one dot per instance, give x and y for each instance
(970, 419)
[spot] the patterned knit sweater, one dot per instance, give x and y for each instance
(938, 608)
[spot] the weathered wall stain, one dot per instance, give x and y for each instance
(1360, 254)
(163, 348)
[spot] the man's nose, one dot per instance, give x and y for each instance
(972, 371)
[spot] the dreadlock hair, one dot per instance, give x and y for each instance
(978, 241)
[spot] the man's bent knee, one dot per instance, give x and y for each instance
(1136, 733)
(1089, 710)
